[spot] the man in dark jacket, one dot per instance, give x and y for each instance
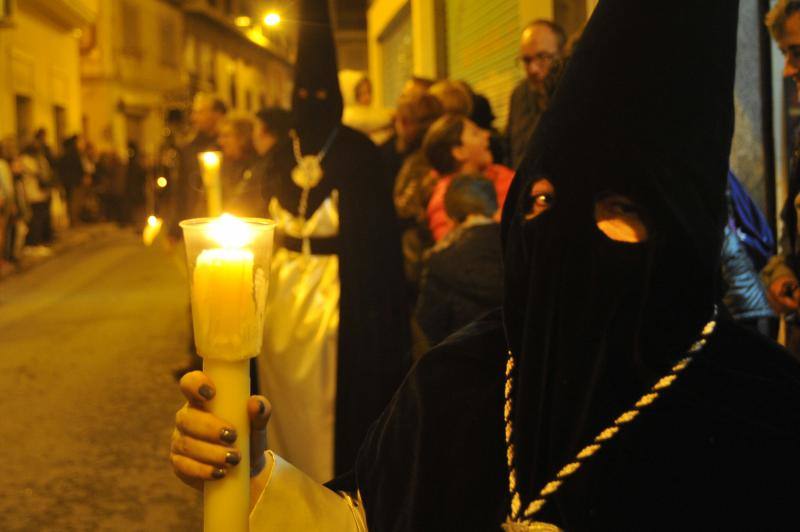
(541, 45)
(207, 112)
(464, 274)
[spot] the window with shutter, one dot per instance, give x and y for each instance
(397, 55)
(482, 45)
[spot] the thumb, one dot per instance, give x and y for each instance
(258, 410)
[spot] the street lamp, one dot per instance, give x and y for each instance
(272, 19)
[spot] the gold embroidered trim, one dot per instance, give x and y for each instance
(514, 521)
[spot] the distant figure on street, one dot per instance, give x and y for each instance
(241, 194)
(541, 45)
(207, 111)
(271, 129)
(190, 202)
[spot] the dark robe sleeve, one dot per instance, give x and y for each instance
(374, 344)
(433, 312)
(434, 459)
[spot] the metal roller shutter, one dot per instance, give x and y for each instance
(482, 45)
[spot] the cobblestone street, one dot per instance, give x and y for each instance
(88, 340)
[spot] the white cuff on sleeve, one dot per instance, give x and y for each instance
(291, 501)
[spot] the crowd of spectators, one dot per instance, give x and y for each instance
(43, 191)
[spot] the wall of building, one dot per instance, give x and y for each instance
(132, 72)
(748, 158)
(245, 75)
(39, 62)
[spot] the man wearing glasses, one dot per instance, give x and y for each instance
(542, 43)
(780, 273)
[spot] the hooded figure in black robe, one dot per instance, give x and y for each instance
(644, 110)
(373, 337)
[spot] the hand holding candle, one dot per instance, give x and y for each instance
(229, 264)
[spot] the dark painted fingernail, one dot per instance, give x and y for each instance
(232, 458)
(261, 408)
(227, 435)
(218, 473)
(206, 391)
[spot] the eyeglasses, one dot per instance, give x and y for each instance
(540, 59)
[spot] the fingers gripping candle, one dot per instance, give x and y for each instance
(229, 262)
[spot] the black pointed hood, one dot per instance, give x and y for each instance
(316, 97)
(644, 109)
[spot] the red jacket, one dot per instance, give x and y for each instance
(441, 224)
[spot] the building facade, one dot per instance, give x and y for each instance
(40, 66)
(131, 71)
(247, 65)
(143, 58)
(472, 40)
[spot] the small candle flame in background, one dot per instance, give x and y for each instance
(230, 232)
(210, 158)
(151, 230)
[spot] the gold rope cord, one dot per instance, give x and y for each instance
(514, 521)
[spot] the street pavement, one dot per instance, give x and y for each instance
(88, 339)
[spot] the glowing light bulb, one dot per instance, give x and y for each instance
(272, 19)
(152, 221)
(230, 232)
(161, 182)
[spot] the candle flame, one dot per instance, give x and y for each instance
(230, 232)
(210, 158)
(272, 19)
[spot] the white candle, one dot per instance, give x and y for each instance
(228, 298)
(212, 184)
(226, 324)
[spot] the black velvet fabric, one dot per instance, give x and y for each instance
(595, 322)
(716, 452)
(644, 110)
(317, 103)
(461, 282)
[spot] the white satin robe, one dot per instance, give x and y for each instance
(297, 367)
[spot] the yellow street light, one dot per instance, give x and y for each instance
(272, 19)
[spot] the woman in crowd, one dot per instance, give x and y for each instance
(414, 184)
(455, 145)
(455, 98)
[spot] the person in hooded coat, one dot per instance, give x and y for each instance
(606, 395)
(336, 341)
